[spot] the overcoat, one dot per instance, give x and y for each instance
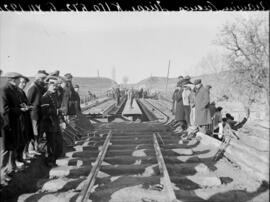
(10, 111)
(202, 103)
(174, 100)
(78, 102)
(179, 108)
(34, 94)
(49, 119)
(68, 105)
(27, 128)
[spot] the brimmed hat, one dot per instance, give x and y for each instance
(219, 108)
(229, 116)
(180, 77)
(13, 75)
(68, 76)
(197, 81)
(187, 77)
(41, 75)
(51, 79)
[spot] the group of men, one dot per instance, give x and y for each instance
(27, 117)
(191, 104)
(192, 109)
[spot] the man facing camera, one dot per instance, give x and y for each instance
(50, 122)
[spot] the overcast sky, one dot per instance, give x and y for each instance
(135, 44)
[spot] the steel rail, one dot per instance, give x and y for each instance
(87, 188)
(156, 108)
(163, 169)
(88, 107)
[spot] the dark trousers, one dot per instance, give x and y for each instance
(54, 145)
(187, 115)
(131, 102)
(19, 152)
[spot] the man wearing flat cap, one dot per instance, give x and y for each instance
(202, 102)
(34, 93)
(10, 110)
(50, 122)
(68, 106)
(55, 73)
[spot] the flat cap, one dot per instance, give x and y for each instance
(55, 73)
(208, 86)
(187, 77)
(76, 86)
(197, 81)
(13, 75)
(42, 72)
(68, 76)
(41, 75)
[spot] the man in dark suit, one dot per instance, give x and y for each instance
(117, 96)
(34, 94)
(78, 99)
(50, 122)
(10, 110)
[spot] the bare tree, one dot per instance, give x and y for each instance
(247, 45)
(213, 63)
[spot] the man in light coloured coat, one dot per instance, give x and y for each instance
(202, 103)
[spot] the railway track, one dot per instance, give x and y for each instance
(143, 162)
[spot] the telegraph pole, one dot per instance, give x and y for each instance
(167, 77)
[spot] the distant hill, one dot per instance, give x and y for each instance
(97, 85)
(218, 81)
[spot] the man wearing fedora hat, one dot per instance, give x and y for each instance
(10, 110)
(202, 102)
(34, 93)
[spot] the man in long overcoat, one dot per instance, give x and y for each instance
(27, 128)
(202, 103)
(34, 94)
(10, 109)
(78, 99)
(117, 96)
